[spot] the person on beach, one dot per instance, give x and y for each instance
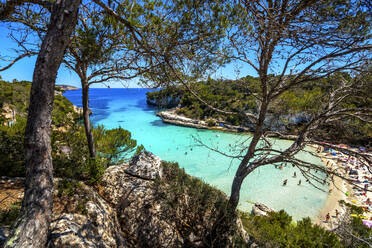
(299, 182)
(285, 182)
(328, 217)
(337, 213)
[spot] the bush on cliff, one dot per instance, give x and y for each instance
(277, 230)
(71, 156)
(195, 206)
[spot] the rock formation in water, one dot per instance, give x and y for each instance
(260, 209)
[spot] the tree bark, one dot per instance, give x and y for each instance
(235, 191)
(87, 124)
(32, 225)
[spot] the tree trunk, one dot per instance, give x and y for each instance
(32, 225)
(87, 124)
(244, 169)
(235, 191)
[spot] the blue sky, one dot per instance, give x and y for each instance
(23, 69)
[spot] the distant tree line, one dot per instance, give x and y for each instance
(302, 101)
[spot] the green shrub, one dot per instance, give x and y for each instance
(113, 147)
(12, 149)
(67, 186)
(195, 206)
(9, 216)
(211, 123)
(69, 145)
(278, 230)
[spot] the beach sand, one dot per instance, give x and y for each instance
(338, 189)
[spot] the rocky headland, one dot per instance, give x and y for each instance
(66, 87)
(172, 117)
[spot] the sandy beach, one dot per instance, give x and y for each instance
(337, 193)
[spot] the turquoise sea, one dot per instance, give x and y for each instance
(127, 108)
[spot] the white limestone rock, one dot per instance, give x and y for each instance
(145, 165)
(260, 209)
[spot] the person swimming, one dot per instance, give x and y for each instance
(285, 182)
(299, 182)
(294, 174)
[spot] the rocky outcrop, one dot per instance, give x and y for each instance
(131, 190)
(136, 205)
(277, 131)
(145, 165)
(8, 113)
(92, 223)
(170, 116)
(260, 209)
(66, 87)
(164, 102)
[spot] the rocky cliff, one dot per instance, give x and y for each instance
(146, 203)
(164, 101)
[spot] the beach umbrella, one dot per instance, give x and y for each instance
(367, 223)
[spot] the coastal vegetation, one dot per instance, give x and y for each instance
(69, 150)
(290, 46)
(298, 103)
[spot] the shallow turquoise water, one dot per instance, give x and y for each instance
(127, 108)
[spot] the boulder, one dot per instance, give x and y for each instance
(142, 220)
(146, 166)
(97, 226)
(260, 209)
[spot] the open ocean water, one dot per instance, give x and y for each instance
(127, 108)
